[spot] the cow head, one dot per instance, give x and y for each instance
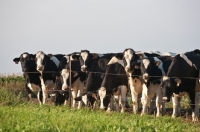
(24, 60)
(85, 60)
(130, 60)
(148, 67)
(40, 61)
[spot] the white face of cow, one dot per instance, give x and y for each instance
(128, 56)
(102, 95)
(84, 56)
(39, 61)
(65, 76)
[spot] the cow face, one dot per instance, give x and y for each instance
(40, 61)
(24, 60)
(130, 60)
(148, 68)
(85, 60)
(64, 77)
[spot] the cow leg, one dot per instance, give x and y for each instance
(123, 90)
(176, 105)
(152, 105)
(39, 96)
(158, 101)
(110, 105)
(74, 95)
(135, 102)
(195, 112)
(144, 99)
(80, 91)
(117, 102)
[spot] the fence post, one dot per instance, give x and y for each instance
(70, 97)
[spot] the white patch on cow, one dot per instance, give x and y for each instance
(160, 65)
(84, 56)
(102, 95)
(25, 55)
(65, 75)
(67, 58)
(84, 99)
(55, 60)
(115, 60)
(165, 78)
(142, 53)
(168, 54)
(186, 59)
(146, 62)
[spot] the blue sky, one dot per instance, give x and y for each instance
(101, 26)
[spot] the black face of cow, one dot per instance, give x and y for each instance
(24, 60)
(149, 67)
(129, 59)
(85, 60)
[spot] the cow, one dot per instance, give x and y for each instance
(184, 75)
(30, 74)
(115, 82)
(94, 65)
(77, 77)
(132, 67)
(153, 69)
(46, 66)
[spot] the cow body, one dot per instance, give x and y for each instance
(183, 73)
(115, 83)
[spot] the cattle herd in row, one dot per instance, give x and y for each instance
(89, 77)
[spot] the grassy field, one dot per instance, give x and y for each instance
(18, 115)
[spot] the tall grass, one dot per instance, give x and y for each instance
(11, 81)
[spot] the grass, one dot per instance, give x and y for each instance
(16, 115)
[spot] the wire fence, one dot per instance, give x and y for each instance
(21, 74)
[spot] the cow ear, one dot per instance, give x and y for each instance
(140, 56)
(16, 60)
(157, 63)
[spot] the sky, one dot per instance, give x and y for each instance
(100, 26)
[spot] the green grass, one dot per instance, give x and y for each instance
(16, 115)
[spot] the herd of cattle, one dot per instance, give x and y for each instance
(89, 77)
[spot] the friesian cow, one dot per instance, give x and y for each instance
(94, 65)
(30, 74)
(115, 83)
(184, 74)
(153, 69)
(77, 78)
(132, 68)
(46, 66)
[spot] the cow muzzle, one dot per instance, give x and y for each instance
(145, 77)
(40, 68)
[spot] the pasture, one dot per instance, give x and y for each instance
(16, 114)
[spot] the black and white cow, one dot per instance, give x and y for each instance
(115, 83)
(184, 74)
(30, 74)
(77, 78)
(132, 67)
(153, 69)
(46, 66)
(94, 65)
